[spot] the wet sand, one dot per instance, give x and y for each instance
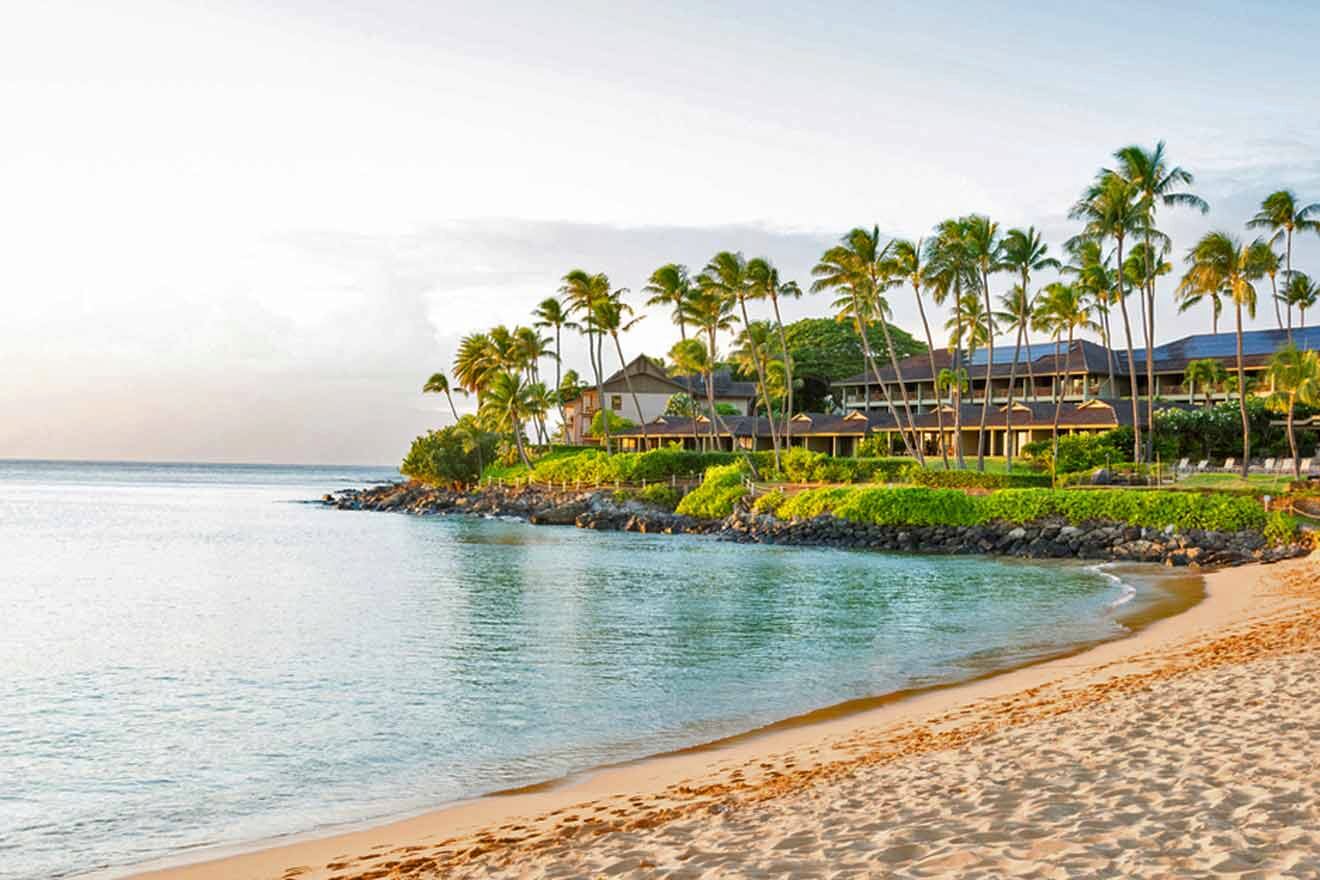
(1186, 748)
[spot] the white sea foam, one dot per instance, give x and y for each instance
(1126, 590)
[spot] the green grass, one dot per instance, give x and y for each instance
(997, 465)
(1264, 484)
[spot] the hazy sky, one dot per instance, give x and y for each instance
(248, 231)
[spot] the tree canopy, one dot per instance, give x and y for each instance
(825, 350)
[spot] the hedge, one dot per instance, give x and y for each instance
(923, 507)
(934, 479)
(715, 498)
(596, 467)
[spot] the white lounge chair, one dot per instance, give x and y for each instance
(1230, 464)
(1182, 465)
(1202, 465)
(1304, 467)
(1268, 467)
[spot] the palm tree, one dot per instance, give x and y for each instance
(529, 347)
(765, 284)
(670, 286)
(1023, 251)
(1295, 376)
(611, 316)
(755, 348)
(582, 291)
(439, 384)
(1280, 214)
(1207, 372)
(1221, 262)
(1269, 264)
(510, 401)
(986, 250)
(950, 272)
(1302, 292)
(1063, 311)
(690, 358)
(726, 275)
(906, 262)
(1191, 293)
(712, 313)
(1157, 183)
(551, 313)
(951, 381)
(475, 363)
(854, 267)
(1097, 280)
(1111, 208)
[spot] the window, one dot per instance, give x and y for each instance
(616, 401)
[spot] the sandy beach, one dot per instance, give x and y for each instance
(1186, 749)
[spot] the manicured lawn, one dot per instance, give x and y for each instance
(1265, 483)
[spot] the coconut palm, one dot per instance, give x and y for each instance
(508, 403)
(1295, 376)
(1111, 208)
(1206, 372)
(1281, 215)
(907, 262)
(1023, 251)
(551, 314)
(1097, 279)
(475, 363)
(529, 347)
(691, 358)
(1221, 262)
(668, 287)
(711, 312)
(1270, 265)
(1064, 310)
(613, 316)
(854, 269)
(950, 272)
(726, 275)
(766, 284)
(1191, 293)
(582, 291)
(986, 250)
(1301, 292)
(755, 349)
(439, 384)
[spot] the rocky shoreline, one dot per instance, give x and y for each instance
(1047, 539)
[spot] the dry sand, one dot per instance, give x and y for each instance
(1189, 749)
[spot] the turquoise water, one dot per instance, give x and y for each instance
(193, 656)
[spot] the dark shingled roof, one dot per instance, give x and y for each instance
(725, 384)
(1086, 355)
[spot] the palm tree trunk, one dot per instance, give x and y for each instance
(930, 352)
(1150, 362)
(559, 379)
(989, 370)
(1278, 314)
(453, 411)
(875, 371)
(1109, 351)
(1031, 375)
(1242, 389)
(1058, 403)
(957, 381)
(1292, 441)
(518, 441)
(902, 388)
(637, 404)
(760, 381)
(594, 353)
(710, 395)
(788, 372)
(1132, 361)
(1008, 413)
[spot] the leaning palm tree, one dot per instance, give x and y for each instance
(711, 312)
(986, 250)
(726, 276)
(508, 403)
(1221, 262)
(1063, 311)
(765, 284)
(1206, 372)
(551, 314)
(854, 268)
(690, 358)
(1281, 215)
(950, 272)
(1295, 376)
(668, 287)
(439, 384)
(907, 262)
(1111, 208)
(582, 291)
(1301, 293)
(1023, 251)
(613, 316)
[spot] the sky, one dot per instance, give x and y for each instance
(248, 231)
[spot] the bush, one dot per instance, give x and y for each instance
(1083, 451)
(451, 455)
(801, 465)
(717, 495)
(596, 467)
(660, 495)
(770, 502)
(1280, 528)
(973, 479)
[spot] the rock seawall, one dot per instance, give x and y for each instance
(1046, 539)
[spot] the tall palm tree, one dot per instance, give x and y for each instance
(509, 402)
(1158, 183)
(1281, 215)
(582, 291)
(1269, 264)
(986, 250)
(1221, 262)
(1111, 208)
(1295, 376)
(726, 275)
(1301, 292)
(765, 284)
(1023, 251)
(439, 384)
(1206, 372)
(1063, 311)
(668, 287)
(854, 268)
(529, 347)
(755, 348)
(1095, 278)
(690, 358)
(551, 314)
(711, 312)
(612, 316)
(950, 271)
(1016, 313)
(907, 262)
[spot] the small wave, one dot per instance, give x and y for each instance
(1127, 591)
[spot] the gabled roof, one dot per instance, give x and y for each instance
(725, 385)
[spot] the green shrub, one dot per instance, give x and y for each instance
(660, 495)
(717, 495)
(936, 479)
(801, 465)
(1280, 528)
(451, 455)
(770, 502)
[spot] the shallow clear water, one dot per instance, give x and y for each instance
(190, 655)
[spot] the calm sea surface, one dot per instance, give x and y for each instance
(191, 655)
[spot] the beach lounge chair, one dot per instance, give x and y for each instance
(1268, 467)
(1304, 467)
(1202, 465)
(1183, 465)
(1230, 464)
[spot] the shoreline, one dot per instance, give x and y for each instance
(315, 851)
